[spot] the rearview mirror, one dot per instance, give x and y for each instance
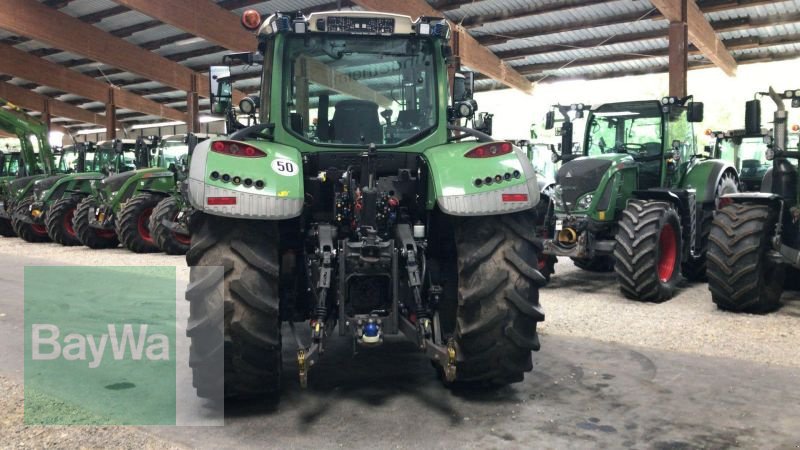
(752, 117)
(220, 88)
(549, 120)
(483, 123)
(118, 147)
(556, 154)
(695, 112)
(463, 86)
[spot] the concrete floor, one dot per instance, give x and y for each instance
(583, 392)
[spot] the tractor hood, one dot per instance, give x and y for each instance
(114, 182)
(44, 184)
(582, 176)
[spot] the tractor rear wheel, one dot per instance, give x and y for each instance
(168, 241)
(133, 223)
(498, 298)
(741, 277)
(648, 251)
(251, 327)
(92, 237)
(6, 229)
(29, 232)
(597, 264)
(59, 221)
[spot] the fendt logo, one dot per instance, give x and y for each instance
(92, 348)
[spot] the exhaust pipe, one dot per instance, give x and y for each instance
(567, 236)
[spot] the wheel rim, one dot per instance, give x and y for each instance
(142, 225)
(41, 230)
(668, 251)
(68, 222)
(105, 234)
(185, 239)
(542, 261)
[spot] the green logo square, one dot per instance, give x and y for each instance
(100, 345)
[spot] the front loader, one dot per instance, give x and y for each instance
(360, 207)
(36, 162)
(755, 237)
(638, 198)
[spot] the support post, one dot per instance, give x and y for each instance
(679, 52)
(193, 107)
(111, 116)
(46, 114)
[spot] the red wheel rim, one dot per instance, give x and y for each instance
(183, 239)
(668, 252)
(142, 225)
(68, 222)
(105, 234)
(542, 261)
(41, 230)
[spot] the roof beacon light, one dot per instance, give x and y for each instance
(251, 19)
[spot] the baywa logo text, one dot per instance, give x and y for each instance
(48, 345)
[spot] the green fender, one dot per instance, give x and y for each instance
(71, 183)
(459, 183)
(276, 188)
(704, 176)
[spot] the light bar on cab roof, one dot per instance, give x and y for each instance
(365, 23)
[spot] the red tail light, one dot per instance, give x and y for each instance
(237, 149)
(515, 197)
(490, 150)
(218, 201)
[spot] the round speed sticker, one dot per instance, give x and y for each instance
(284, 167)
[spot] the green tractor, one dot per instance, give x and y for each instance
(755, 235)
(386, 218)
(748, 152)
(116, 211)
(35, 161)
(80, 167)
(169, 222)
(638, 199)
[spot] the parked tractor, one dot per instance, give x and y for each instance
(755, 239)
(386, 218)
(747, 152)
(169, 222)
(36, 162)
(117, 160)
(637, 198)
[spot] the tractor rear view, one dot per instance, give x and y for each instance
(755, 238)
(748, 152)
(358, 205)
(638, 199)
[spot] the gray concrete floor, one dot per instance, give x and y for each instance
(583, 393)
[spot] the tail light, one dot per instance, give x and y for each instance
(490, 150)
(217, 201)
(515, 198)
(237, 149)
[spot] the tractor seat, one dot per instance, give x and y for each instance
(357, 119)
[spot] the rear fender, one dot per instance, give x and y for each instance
(457, 192)
(281, 171)
(704, 177)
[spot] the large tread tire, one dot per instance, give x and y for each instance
(740, 276)
(642, 251)
(601, 263)
(498, 298)
(694, 269)
(92, 237)
(168, 241)
(133, 223)
(248, 252)
(27, 231)
(6, 229)
(59, 221)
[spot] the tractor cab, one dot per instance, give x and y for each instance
(748, 152)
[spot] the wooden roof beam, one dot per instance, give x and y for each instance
(31, 100)
(21, 64)
(472, 53)
(701, 34)
(37, 21)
